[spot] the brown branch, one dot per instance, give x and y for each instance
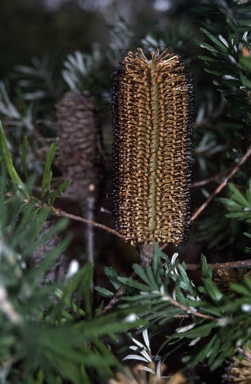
(145, 258)
(146, 253)
(186, 309)
(59, 212)
(215, 178)
(222, 185)
(218, 189)
(112, 303)
(226, 265)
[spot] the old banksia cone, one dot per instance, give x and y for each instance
(80, 155)
(152, 147)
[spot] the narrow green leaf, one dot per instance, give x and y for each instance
(104, 292)
(208, 59)
(231, 203)
(113, 277)
(142, 274)
(134, 284)
(241, 289)
(245, 63)
(238, 196)
(206, 269)
(245, 81)
(208, 47)
(197, 331)
(238, 215)
(215, 40)
(212, 289)
(19, 185)
(24, 153)
(58, 192)
(46, 181)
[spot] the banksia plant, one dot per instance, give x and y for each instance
(239, 370)
(152, 150)
(141, 374)
(80, 156)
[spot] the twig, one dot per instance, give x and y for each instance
(145, 258)
(121, 291)
(218, 189)
(222, 185)
(216, 178)
(226, 265)
(188, 310)
(146, 253)
(59, 212)
(112, 303)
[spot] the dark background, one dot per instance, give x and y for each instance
(37, 27)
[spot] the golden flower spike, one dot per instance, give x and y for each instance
(239, 370)
(153, 108)
(140, 375)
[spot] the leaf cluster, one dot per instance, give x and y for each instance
(52, 333)
(213, 323)
(239, 205)
(228, 54)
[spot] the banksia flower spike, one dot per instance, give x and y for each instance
(239, 370)
(141, 374)
(152, 147)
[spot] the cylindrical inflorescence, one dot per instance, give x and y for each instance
(152, 147)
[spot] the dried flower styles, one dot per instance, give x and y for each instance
(152, 127)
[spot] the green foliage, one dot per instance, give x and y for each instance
(51, 334)
(55, 332)
(40, 81)
(225, 52)
(17, 182)
(210, 319)
(239, 205)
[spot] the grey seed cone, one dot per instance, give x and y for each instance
(80, 156)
